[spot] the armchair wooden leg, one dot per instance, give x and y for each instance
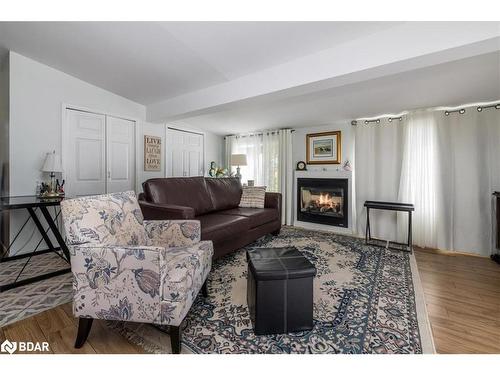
(204, 289)
(175, 339)
(84, 326)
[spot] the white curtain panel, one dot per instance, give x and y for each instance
(286, 176)
(269, 159)
(262, 151)
(377, 167)
(447, 166)
(469, 156)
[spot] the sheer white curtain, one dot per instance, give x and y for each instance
(263, 157)
(269, 159)
(420, 182)
(286, 175)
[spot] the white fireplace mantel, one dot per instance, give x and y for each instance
(326, 174)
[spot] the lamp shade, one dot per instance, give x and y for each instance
(52, 163)
(239, 160)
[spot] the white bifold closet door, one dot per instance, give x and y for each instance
(100, 157)
(120, 154)
(185, 154)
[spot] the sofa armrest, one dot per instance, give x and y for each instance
(173, 233)
(154, 211)
(117, 282)
(273, 200)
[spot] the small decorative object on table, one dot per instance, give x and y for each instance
(52, 165)
(280, 290)
(347, 166)
(323, 148)
(251, 183)
(212, 172)
(301, 166)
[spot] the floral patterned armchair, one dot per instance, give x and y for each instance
(129, 269)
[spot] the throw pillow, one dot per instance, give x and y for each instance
(253, 196)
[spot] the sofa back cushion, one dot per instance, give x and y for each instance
(111, 219)
(181, 191)
(225, 192)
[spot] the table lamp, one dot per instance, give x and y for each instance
(52, 165)
(238, 160)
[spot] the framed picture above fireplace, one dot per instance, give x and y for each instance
(324, 148)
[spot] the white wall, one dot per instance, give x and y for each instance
(299, 144)
(37, 93)
(4, 125)
(214, 150)
(4, 143)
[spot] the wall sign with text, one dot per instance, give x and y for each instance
(152, 153)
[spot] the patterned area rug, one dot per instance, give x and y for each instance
(366, 300)
(25, 301)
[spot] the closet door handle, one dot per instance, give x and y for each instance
(109, 174)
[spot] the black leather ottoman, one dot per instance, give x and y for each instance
(280, 290)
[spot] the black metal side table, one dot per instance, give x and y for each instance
(32, 204)
(390, 206)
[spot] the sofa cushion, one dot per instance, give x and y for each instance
(218, 227)
(225, 192)
(256, 216)
(253, 196)
(181, 191)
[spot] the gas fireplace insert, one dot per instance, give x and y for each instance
(323, 201)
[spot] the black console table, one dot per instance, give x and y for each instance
(390, 206)
(32, 204)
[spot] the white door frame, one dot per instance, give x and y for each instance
(167, 127)
(65, 135)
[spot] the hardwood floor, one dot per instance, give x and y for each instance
(58, 327)
(462, 295)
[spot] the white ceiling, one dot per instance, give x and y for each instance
(151, 61)
(475, 79)
(230, 77)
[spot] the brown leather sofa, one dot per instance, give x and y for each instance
(214, 202)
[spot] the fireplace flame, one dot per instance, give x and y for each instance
(325, 200)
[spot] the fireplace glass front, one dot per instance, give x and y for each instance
(323, 201)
